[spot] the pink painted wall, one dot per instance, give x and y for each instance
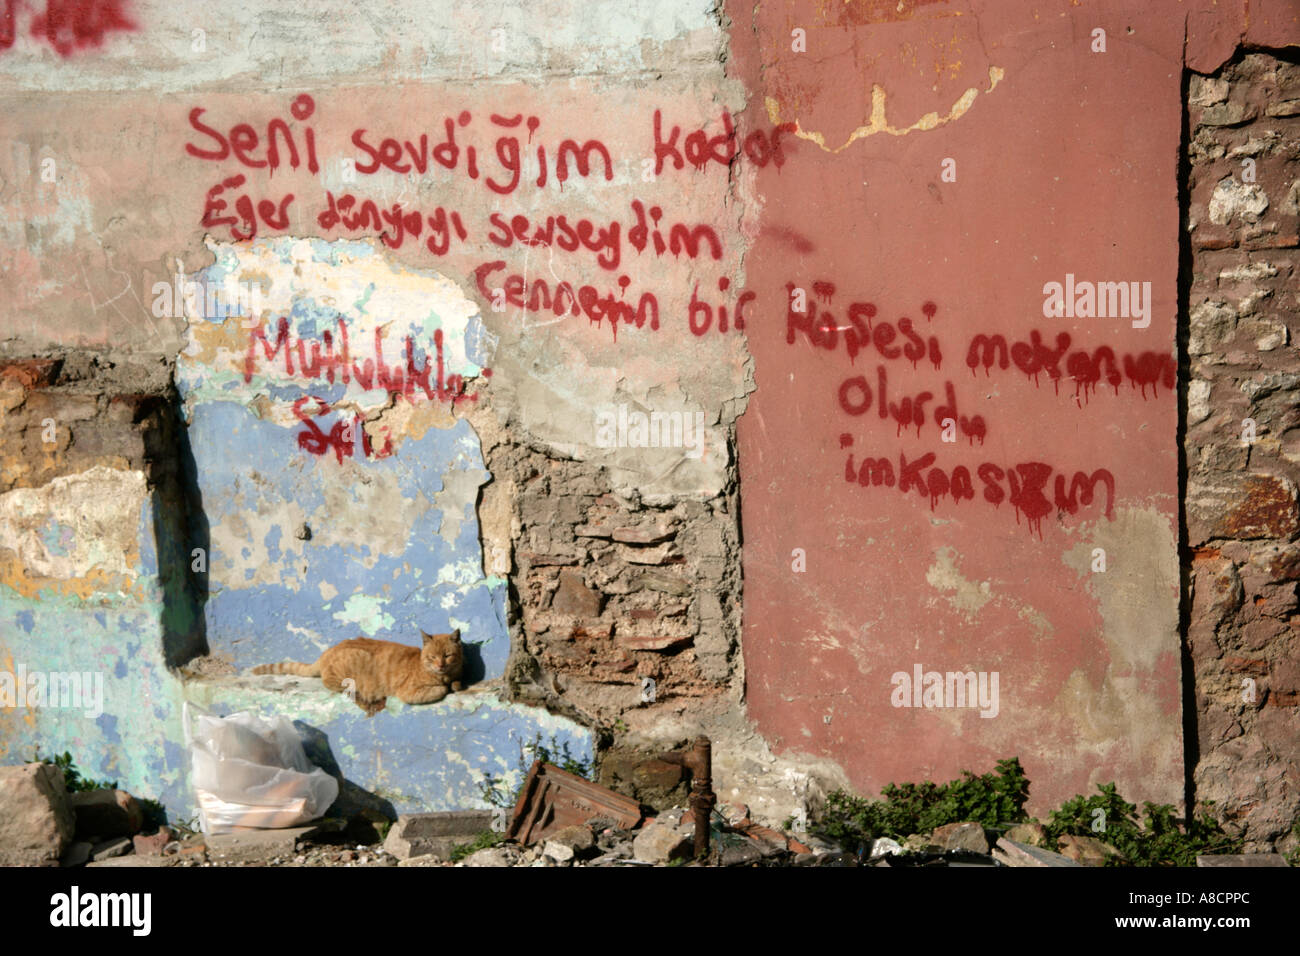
(1066, 163)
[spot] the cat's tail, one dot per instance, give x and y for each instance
(289, 667)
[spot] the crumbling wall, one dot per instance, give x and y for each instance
(92, 567)
(1242, 442)
(613, 591)
(549, 192)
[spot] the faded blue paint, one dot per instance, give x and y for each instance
(432, 757)
(380, 559)
(128, 741)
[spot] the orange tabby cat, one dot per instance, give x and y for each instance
(377, 669)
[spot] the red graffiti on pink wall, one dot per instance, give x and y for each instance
(1025, 483)
(67, 25)
(331, 359)
(1036, 357)
(1034, 488)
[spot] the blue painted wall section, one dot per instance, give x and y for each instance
(309, 549)
(107, 630)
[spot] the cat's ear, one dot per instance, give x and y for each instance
(426, 637)
(455, 635)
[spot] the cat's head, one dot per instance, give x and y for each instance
(442, 654)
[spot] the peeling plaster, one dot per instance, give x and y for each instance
(879, 123)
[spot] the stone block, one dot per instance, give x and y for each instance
(106, 813)
(437, 834)
(574, 597)
(36, 820)
(1011, 853)
(657, 843)
(960, 836)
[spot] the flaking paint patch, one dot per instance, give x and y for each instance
(1123, 717)
(1137, 594)
(879, 122)
(367, 613)
(316, 285)
(967, 596)
(76, 528)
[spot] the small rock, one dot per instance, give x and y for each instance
(106, 813)
(492, 856)
(884, 846)
(118, 846)
(1010, 853)
(578, 838)
(77, 854)
(559, 852)
(736, 814)
(1031, 834)
(658, 843)
(152, 844)
(968, 837)
(739, 854)
(425, 859)
(769, 842)
(36, 820)
(671, 817)
(1088, 850)
(1240, 859)
(916, 843)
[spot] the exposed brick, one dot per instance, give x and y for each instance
(31, 373)
(652, 642)
(574, 597)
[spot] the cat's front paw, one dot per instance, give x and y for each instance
(456, 685)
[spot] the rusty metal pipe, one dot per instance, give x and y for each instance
(698, 760)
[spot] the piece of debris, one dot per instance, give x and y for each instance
(152, 844)
(106, 813)
(579, 839)
(1241, 859)
(661, 842)
(494, 856)
(76, 854)
(559, 852)
(421, 834)
(954, 837)
(1031, 834)
(884, 846)
(117, 846)
(1010, 853)
(1089, 851)
(36, 819)
(552, 799)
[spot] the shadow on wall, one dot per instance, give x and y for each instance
(353, 800)
(181, 537)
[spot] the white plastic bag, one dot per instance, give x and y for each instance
(253, 773)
